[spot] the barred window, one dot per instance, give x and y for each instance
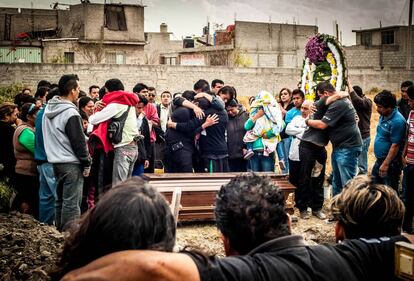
(115, 58)
(366, 39)
(69, 57)
(387, 37)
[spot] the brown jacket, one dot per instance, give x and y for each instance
(25, 163)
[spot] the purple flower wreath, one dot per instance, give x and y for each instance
(315, 49)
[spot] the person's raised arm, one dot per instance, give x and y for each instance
(216, 101)
(252, 120)
(137, 266)
(337, 96)
(194, 125)
(179, 101)
(105, 114)
(357, 101)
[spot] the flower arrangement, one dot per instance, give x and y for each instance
(324, 61)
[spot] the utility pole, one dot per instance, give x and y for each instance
(337, 30)
(409, 41)
(381, 49)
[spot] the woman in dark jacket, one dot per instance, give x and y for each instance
(235, 132)
(8, 120)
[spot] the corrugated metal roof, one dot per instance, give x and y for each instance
(20, 55)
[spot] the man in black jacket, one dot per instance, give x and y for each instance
(180, 145)
(212, 136)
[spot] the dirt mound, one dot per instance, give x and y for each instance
(28, 248)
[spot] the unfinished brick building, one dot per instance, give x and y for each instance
(84, 33)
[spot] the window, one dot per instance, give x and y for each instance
(387, 37)
(69, 57)
(115, 58)
(170, 60)
(115, 18)
(366, 39)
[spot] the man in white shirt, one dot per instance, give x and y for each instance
(296, 128)
(163, 109)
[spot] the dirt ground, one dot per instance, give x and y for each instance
(29, 249)
(206, 237)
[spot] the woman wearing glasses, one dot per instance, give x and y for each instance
(27, 182)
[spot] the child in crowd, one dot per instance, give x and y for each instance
(271, 123)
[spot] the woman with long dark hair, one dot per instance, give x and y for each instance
(286, 104)
(130, 216)
(8, 121)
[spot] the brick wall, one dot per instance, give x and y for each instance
(248, 81)
(359, 56)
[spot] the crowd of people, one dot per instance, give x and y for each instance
(62, 147)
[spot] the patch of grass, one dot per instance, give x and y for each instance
(6, 195)
(7, 93)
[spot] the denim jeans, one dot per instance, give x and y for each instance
(124, 160)
(262, 163)
(392, 178)
(344, 166)
(283, 148)
(138, 170)
(363, 157)
(47, 193)
(69, 185)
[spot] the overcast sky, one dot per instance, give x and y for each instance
(187, 17)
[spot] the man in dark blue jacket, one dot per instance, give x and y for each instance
(47, 181)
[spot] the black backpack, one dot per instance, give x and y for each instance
(116, 127)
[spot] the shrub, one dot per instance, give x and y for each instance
(7, 93)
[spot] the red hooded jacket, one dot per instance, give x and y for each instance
(98, 138)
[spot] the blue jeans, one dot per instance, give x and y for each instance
(69, 185)
(261, 163)
(363, 157)
(344, 166)
(283, 148)
(47, 193)
(138, 170)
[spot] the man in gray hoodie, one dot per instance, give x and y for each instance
(66, 149)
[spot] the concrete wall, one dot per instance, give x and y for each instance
(72, 22)
(392, 55)
(273, 44)
(359, 56)
(247, 81)
(53, 52)
(94, 20)
(272, 36)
